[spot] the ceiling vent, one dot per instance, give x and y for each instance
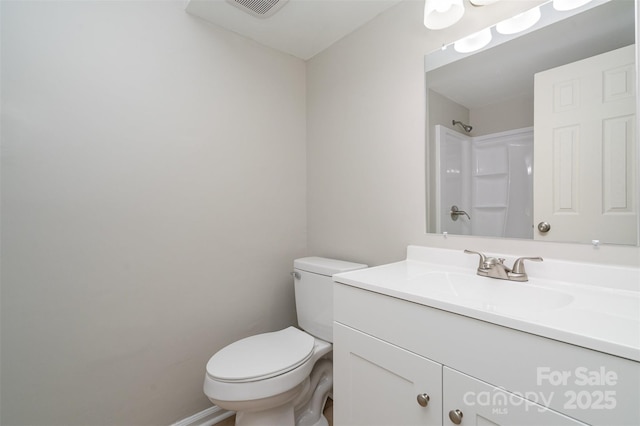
(259, 8)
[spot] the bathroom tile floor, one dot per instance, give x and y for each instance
(328, 413)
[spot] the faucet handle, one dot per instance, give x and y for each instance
(482, 256)
(518, 265)
(483, 259)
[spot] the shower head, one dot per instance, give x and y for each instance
(466, 127)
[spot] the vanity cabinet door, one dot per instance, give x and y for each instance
(469, 401)
(377, 383)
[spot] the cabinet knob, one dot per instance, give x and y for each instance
(423, 399)
(455, 416)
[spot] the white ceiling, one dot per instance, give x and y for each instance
(302, 28)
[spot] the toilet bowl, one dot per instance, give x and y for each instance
(283, 378)
(266, 375)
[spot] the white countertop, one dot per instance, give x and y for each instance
(589, 305)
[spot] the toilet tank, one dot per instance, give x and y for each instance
(314, 293)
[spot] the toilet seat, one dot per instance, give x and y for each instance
(259, 388)
(261, 356)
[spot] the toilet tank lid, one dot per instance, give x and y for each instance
(324, 266)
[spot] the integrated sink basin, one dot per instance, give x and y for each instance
(491, 295)
(590, 305)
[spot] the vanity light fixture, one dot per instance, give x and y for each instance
(439, 14)
(482, 2)
(475, 41)
(519, 22)
(563, 5)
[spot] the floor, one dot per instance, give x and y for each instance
(328, 413)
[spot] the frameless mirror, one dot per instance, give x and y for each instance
(534, 136)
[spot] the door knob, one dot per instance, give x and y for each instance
(455, 416)
(544, 227)
(423, 399)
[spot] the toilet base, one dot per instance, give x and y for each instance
(312, 401)
(278, 416)
(282, 416)
(277, 410)
(300, 406)
(322, 421)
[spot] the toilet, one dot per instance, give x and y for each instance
(283, 378)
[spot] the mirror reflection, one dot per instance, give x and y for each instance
(535, 137)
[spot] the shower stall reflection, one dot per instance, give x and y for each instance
(489, 176)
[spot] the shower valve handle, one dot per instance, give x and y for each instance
(455, 212)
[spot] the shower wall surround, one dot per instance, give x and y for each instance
(488, 176)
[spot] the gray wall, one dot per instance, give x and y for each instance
(153, 200)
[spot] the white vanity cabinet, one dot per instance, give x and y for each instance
(475, 402)
(382, 384)
(388, 352)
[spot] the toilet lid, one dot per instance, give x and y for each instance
(261, 356)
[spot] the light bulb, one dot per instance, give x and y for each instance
(519, 22)
(482, 2)
(475, 41)
(563, 5)
(440, 14)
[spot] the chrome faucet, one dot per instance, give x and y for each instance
(493, 267)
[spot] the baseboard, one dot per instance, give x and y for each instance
(210, 416)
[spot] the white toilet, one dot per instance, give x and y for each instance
(283, 378)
